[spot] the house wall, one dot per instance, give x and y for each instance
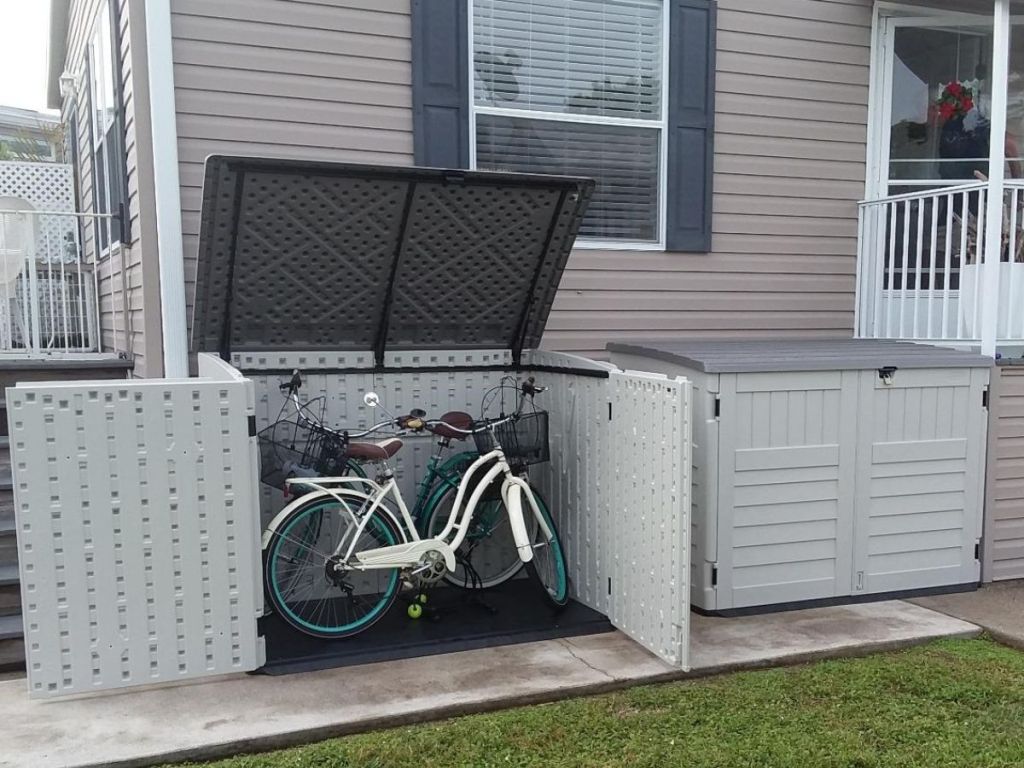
(140, 260)
(331, 81)
(1003, 557)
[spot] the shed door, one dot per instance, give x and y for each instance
(920, 461)
(648, 537)
(786, 457)
(138, 531)
(619, 484)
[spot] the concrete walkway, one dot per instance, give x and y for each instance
(251, 713)
(997, 608)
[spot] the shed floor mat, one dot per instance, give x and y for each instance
(516, 613)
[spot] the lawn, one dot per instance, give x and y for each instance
(952, 703)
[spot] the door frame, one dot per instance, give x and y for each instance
(887, 18)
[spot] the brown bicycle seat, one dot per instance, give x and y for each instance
(379, 451)
(456, 419)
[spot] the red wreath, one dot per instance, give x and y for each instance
(956, 100)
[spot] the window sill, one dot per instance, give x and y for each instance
(113, 250)
(616, 245)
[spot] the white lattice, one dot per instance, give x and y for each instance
(45, 187)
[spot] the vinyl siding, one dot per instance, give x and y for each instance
(790, 148)
(330, 79)
(318, 80)
(1004, 504)
(139, 258)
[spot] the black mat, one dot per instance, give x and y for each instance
(451, 624)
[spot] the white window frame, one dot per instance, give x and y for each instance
(559, 117)
(99, 133)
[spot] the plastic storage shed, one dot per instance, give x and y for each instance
(829, 470)
(138, 502)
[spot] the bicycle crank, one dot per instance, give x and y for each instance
(431, 568)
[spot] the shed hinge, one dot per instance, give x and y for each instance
(718, 407)
(252, 426)
(609, 410)
(977, 550)
(714, 575)
(984, 398)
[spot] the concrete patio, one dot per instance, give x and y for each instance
(254, 713)
(996, 608)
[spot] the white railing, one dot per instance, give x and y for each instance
(920, 263)
(62, 287)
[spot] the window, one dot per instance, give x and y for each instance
(108, 161)
(577, 87)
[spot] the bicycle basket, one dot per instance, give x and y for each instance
(524, 440)
(289, 448)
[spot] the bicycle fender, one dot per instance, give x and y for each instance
(513, 494)
(311, 497)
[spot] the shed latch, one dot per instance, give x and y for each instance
(886, 373)
(718, 407)
(714, 575)
(984, 398)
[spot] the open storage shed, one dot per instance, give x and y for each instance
(829, 470)
(138, 503)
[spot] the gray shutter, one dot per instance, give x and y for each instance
(691, 120)
(440, 83)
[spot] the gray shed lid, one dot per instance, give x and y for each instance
(304, 256)
(800, 355)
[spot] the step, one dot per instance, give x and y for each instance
(12, 655)
(11, 628)
(9, 575)
(10, 600)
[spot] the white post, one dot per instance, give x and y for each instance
(996, 177)
(168, 187)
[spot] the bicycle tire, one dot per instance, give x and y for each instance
(327, 609)
(548, 568)
(488, 546)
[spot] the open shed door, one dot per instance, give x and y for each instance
(138, 530)
(620, 487)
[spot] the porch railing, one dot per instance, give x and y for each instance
(63, 287)
(920, 266)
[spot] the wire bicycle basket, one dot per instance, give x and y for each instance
(291, 448)
(523, 440)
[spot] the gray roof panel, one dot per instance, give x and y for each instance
(741, 356)
(296, 255)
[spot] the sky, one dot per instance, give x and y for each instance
(24, 33)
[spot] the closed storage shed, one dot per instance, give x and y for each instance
(829, 470)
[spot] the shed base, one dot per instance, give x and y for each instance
(828, 602)
(453, 624)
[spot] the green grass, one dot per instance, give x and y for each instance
(952, 703)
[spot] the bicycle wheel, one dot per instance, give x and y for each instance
(488, 548)
(548, 564)
(304, 588)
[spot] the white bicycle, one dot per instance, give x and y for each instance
(336, 558)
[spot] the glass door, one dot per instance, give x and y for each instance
(936, 100)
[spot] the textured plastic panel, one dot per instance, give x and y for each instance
(137, 532)
(619, 483)
(320, 256)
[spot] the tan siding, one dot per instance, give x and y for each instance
(304, 79)
(1004, 504)
(331, 80)
(139, 256)
(790, 136)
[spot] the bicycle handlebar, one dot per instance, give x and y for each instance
(414, 421)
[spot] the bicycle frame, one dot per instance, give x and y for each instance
(410, 553)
